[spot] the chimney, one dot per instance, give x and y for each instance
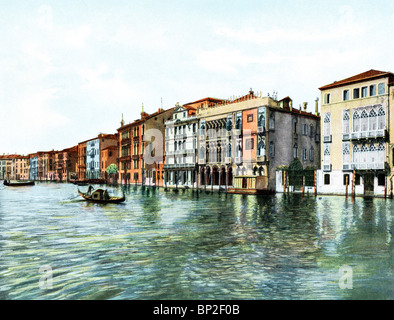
(317, 106)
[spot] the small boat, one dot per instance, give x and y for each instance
(100, 196)
(18, 183)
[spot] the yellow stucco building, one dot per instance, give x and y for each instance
(357, 138)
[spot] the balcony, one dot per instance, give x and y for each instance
(368, 166)
(327, 139)
(327, 167)
(180, 165)
(227, 160)
(368, 134)
(346, 136)
(201, 161)
(238, 160)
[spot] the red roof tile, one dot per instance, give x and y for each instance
(368, 75)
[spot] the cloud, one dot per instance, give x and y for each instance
(77, 37)
(107, 85)
(45, 17)
(153, 38)
(32, 111)
(292, 35)
(223, 60)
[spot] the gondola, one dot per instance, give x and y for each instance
(100, 196)
(18, 183)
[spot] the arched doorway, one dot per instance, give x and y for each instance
(208, 176)
(222, 176)
(202, 177)
(230, 176)
(215, 176)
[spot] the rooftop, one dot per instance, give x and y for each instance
(368, 75)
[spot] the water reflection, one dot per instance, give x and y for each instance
(188, 245)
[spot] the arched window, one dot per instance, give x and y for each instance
(311, 154)
(381, 152)
(364, 153)
(202, 153)
(295, 150)
(271, 149)
(346, 153)
(381, 119)
(346, 122)
(327, 124)
(356, 121)
(261, 147)
(372, 154)
(356, 154)
(271, 121)
(373, 120)
(364, 121)
(326, 154)
(261, 121)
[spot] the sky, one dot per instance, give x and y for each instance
(70, 69)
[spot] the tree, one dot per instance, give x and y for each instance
(112, 169)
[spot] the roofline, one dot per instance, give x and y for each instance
(205, 99)
(101, 135)
(343, 82)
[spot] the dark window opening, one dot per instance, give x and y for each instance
(381, 179)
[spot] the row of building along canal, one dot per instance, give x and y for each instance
(244, 144)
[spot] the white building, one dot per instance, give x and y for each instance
(180, 147)
(93, 159)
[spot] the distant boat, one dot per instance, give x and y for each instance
(100, 196)
(18, 183)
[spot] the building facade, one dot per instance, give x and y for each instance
(14, 167)
(66, 164)
(109, 156)
(153, 147)
(3, 168)
(93, 159)
(243, 141)
(130, 151)
(33, 166)
(181, 147)
(357, 138)
(89, 160)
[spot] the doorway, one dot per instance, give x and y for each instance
(369, 184)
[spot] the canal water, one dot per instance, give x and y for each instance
(167, 245)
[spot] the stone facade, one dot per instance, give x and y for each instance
(357, 138)
(181, 146)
